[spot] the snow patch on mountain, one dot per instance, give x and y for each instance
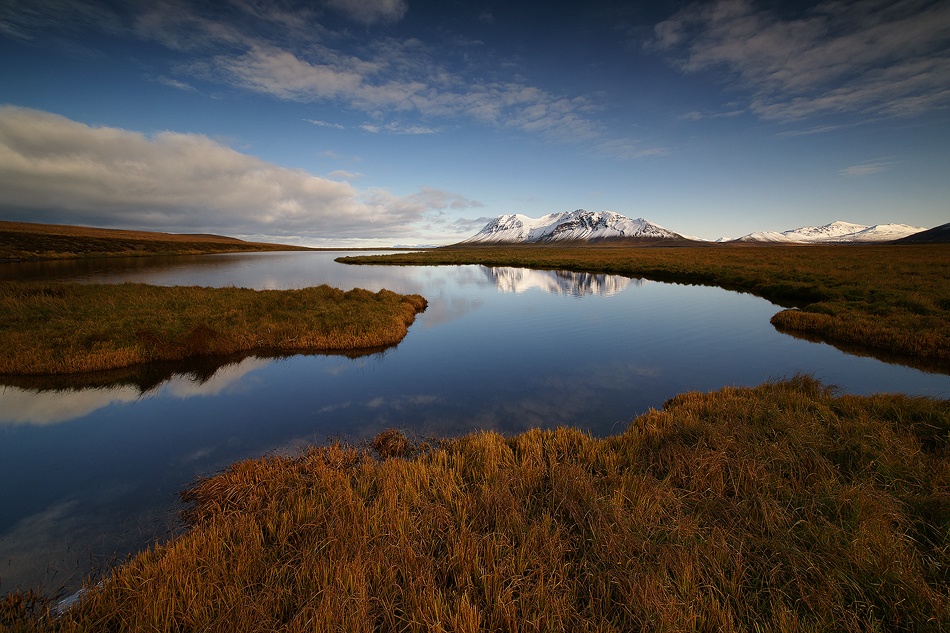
(579, 225)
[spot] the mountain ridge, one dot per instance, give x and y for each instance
(582, 226)
(569, 227)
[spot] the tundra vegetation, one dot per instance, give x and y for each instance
(891, 301)
(67, 328)
(783, 507)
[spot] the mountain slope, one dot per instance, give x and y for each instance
(937, 235)
(573, 226)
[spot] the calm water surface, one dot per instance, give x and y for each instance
(92, 474)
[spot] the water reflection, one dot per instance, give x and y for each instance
(558, 282)
(51, 406)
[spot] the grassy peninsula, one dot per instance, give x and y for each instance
(777, 508)
(888, 300)
(68, 328)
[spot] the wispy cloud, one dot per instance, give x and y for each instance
(396, 128)
(174, 83)
(701, 116)
(866, 168)
(109, 176)
(318, 123)
(864, 57)
(371, 11)
(345, 175)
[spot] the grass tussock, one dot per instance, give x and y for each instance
(48, 328)
(776, 508)
(891, 300)
(24, 241)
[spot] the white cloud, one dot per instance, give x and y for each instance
(318, 123)
(869, 57)
(342, 174)
(61, 170)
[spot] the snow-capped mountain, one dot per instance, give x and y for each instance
(835, 233)
(573, 226)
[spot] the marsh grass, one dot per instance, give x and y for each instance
(51, 328)
(776, 508)
(889, 300)
(24, 241)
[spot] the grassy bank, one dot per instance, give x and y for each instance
(887, 300)
(776, 508)
(24, 241)
(48, 328)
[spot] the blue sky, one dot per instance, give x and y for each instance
(379, 122)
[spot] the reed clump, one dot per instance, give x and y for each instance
(777, 508)
(888, 300)
(59, 328)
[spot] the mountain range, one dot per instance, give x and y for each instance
(583, 226)
(572, 226)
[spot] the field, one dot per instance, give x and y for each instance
(777, 508)
(886, 300)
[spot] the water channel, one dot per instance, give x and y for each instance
(90, 474)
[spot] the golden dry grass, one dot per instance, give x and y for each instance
(776, 508)
(50, 328)
(887, 300)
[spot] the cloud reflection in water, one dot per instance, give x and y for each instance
(41, 407)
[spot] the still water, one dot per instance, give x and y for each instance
(91, 474)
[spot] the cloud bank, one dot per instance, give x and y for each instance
(56, 169)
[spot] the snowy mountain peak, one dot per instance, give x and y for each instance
(834, 233)
(573, 226)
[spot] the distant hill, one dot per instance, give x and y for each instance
(580, 226)
(26, 241)
(937, 235)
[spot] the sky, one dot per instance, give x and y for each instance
(406, 122)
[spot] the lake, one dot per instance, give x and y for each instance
(92, 474)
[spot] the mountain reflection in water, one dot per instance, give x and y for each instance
(559, 282)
